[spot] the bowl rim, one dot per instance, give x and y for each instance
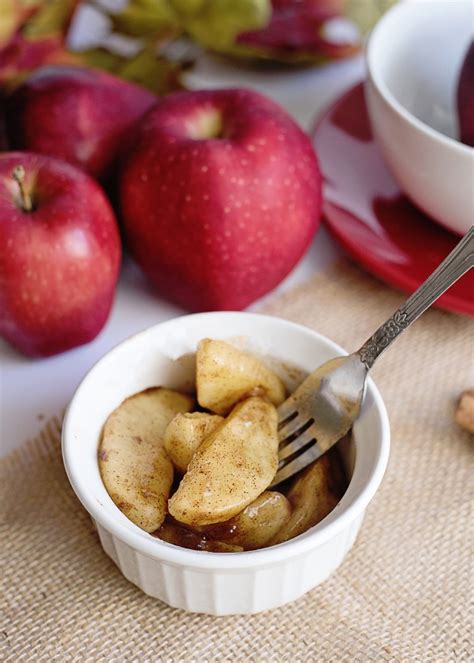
(382, 88)
(154, 548)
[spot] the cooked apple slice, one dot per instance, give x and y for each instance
(256, 525)
(313, 494)
(172, 532)
(133, 463)
(185, 433)
(231, 467)
(225, 375)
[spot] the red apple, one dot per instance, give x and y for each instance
(59, 254)
(220, 197)
(466, 98)
(80, 115)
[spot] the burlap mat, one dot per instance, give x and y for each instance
(403, 594)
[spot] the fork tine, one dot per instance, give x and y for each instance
(292, 426)
(301, 441)
(297, 464)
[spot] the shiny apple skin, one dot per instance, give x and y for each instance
(59, 263)
(218, 221)
(77, 114)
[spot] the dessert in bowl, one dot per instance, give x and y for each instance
(196, 470)
(414, 59)
(201, 580)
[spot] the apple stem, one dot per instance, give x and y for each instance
(18, 175)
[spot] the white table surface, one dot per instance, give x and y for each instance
(31, 390)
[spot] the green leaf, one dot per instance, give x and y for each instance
(153, 72)
(365, 14)
(216, 23)
(145, 68)
(53, 17)
(9, 20)
(29, 4)
(13, 14)
(145, 18)
(101, 58)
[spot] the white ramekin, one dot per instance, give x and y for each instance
(216, 583)
(414, 58)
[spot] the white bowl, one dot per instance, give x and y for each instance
(414, 58)
(216, 583)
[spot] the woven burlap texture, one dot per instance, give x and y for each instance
(403, 593)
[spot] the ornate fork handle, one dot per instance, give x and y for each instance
(450, 270)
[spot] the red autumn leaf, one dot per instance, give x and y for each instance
(33, 34)
(21, 56)
(297, 29)
(13, 15)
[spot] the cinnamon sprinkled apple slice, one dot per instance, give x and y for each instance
(225, 375)
(133, 463)
(231, 468)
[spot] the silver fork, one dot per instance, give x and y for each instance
(326, 404)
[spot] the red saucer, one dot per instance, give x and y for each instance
(368, 214)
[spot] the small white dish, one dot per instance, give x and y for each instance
(197, 581)
(414, 58)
